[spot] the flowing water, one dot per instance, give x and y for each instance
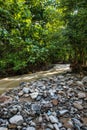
(11, 82)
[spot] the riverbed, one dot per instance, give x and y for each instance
(11, 82)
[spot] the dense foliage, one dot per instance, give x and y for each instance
(75, 15)
(34, 34)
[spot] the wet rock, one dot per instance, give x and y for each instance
(17, 119)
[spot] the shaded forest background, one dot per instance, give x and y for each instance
(35, 34)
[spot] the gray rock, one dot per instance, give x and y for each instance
(35, 107)
(78, 105)
(77, 124)
(79, 83)
(62, 112)
(48, 129)
(14, 110)
(56, 127)
(26, 90)
(81, 95)
(32, 123)
(53, 119)
(31, 128)
(50, 125)
(34, 95)
(2, 128)
(84, 80)
(17, 119)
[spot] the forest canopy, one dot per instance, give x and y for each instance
(37, 33)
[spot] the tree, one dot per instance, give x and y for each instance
(75, 15)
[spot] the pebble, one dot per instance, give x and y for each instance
(78, 105)
(56, 126)
(62, 112)
(57, 102)
(17, 119)
(2, 128)
(34, 95)
(30, 128)
(53, 119)
(81, 95)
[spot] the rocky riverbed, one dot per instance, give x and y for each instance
(58, 102)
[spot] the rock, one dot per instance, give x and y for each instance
(30, 128)
(17, 119)
(77, 124)
(81, 95)
(67, 122)
(48, 129)
(55, 102)
(2, 128)
(47, 104)
(46, 116)
(40, 119)
(50, 126)
(84, 119)
(12, 126)
(78, 105)
(79, 83)
(26, 90)
(13, 110)
(34, 95)
(5, 99)
(20, 93)
(53, 119)
(62, 112)
(56, 126)
(35, 107)
(84, 80)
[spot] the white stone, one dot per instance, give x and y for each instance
(17, 119)
(81, 95)
(84, 80)
(2, 128)
(34, 95)
(30, 128)
(79, 83)
(62, 112)
(53, 119)
(26, 90)
(56, 127)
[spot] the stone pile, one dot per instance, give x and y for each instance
(58, 102)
